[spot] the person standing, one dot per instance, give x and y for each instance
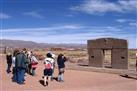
(20, 64)
(48, 70)
(34, 63)
(53, 67)
(136, 62)
(61, 67)
(9, 62)
(14, 78)
(29, 53)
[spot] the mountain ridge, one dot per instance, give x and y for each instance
(31, 44)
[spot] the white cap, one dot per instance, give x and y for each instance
(53, 55)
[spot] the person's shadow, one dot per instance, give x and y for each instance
(129, 77)
(55, 78)
(42, 81)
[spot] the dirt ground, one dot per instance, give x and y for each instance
(74, 81)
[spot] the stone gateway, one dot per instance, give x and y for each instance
(118, 48)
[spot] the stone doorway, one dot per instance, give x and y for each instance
(107, 62)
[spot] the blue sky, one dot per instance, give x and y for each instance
(68, 21)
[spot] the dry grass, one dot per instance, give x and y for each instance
(82, 56)
(73, 56)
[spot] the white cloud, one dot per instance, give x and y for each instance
(63, 38)
(35, 14)
(130, 22)
(72, 26)
(60, 34)
(121, 20)
(133, 24)
(128, 5)
(125, 20)
(70, 15)
(102, 6)
(62, 29)
(74, 38)
(45, 29)
(4, 16)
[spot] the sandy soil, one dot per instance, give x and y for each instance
(74, 81)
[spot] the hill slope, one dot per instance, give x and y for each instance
(30, 44)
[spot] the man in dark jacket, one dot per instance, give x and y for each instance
(20, 65)
(61, 66)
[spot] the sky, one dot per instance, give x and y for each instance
(68, 21)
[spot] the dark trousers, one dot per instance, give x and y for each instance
(14, 78)
(20, 75)
(29, 68)
(8, 68)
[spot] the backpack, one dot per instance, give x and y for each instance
(48, 65)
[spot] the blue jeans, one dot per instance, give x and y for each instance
(60, 77)
(20, 75)
(61, 73)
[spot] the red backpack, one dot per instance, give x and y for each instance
(48, 65)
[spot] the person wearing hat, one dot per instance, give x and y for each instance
(48, 70)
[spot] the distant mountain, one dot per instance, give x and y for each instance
(30, 44)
